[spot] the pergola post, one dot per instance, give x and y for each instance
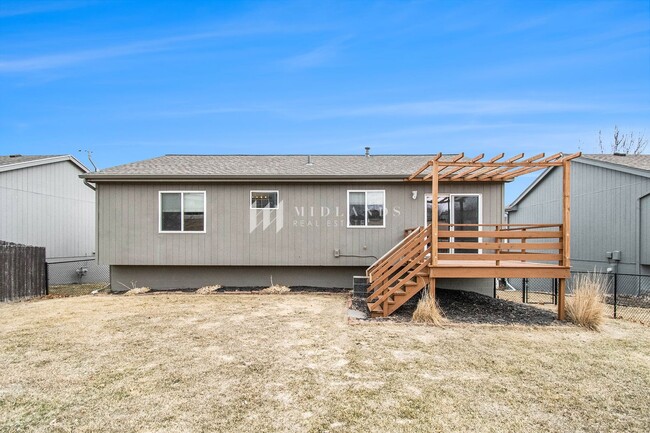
(434, 225)
(566, 233)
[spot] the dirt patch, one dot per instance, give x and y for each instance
(468, 307)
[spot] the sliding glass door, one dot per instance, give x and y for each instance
(456, 209)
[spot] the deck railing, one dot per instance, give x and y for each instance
(499, 242)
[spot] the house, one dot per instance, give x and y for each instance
(44, 203)
(184, 221)
(610, 211)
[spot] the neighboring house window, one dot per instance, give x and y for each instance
(264, 199)
(182, 211)
(366, 208)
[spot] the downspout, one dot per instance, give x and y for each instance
(638, 234)
(94, 188)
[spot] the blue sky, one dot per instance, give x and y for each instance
(133, 80)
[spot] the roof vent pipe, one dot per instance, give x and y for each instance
(309, 160)
(620, 154)
(367, 151)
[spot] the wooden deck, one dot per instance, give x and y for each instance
(490, 269)
(484, 251)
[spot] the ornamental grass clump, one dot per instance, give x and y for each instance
(207, 290)
(276, 289)
(428, 311)
(137, 291)
(586, 307)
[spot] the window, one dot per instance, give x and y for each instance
(366, 208)
(264, 199)
(182, 211)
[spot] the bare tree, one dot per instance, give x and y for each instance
(624, 143)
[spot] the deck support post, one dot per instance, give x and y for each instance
(434, 228)
(434, 214)
(566, 233)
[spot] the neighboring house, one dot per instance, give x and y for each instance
(610, 210)
(184, 221)
(44, 203)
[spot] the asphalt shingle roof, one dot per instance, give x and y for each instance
(8, 160)
(242, 166)
(641, 162)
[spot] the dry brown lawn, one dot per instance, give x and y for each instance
(252, 363)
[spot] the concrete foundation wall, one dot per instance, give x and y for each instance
(186, 277)
(191, 277)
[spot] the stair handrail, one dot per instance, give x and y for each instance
(392, 250)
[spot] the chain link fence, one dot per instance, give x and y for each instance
(627, 296)
(76, 277)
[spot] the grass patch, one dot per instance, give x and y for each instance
(586, 307)
(76, 289)
(250, 363)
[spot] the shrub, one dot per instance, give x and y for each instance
(586, 307)
(428, 310)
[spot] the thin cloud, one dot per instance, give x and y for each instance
(456, 107)
(39, 8)
(315, 57)
(52, 61)
(419, 109)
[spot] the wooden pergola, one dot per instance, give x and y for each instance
(402, 272)
(460, 169)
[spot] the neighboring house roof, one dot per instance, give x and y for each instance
(266, 167)
(633, 164)
(16, 162)
(641, 162)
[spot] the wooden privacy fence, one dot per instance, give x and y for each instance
(22, 271)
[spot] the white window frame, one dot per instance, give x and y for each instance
(366, 226)
(250, 199)
(205, 214)
(451, 211)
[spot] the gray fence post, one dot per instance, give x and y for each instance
(615, 292)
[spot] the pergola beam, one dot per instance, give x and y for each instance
(457, 169)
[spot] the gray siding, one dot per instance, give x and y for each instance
(604, 213)
(48, 205)
(128, 224)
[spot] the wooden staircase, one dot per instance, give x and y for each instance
(399, 274)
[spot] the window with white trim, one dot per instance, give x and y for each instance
(367, 208)
(182, 211)
(264, 199)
